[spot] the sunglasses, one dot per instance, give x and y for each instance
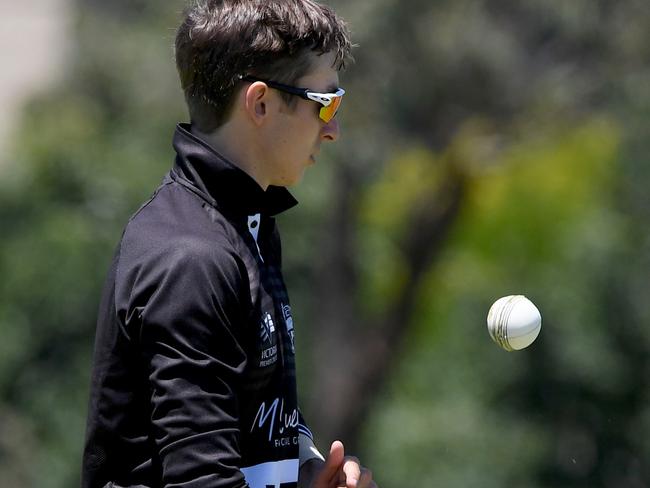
(330, 101)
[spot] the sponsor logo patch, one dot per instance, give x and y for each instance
(269, 355)
(288, 320)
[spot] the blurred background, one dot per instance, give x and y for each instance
(490, 147)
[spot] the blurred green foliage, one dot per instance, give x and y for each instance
(541, 107)
(525, 222)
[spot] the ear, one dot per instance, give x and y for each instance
(256, 99)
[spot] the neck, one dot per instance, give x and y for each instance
(229, 141)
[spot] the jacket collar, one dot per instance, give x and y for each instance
(224, 184)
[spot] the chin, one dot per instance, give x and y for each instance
(294, 181)
(287, 181)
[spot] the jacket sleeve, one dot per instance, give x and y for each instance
(185, 310)
(302, 426)
(306, 447)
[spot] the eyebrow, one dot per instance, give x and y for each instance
(331, 88)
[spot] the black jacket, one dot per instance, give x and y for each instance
(193, 381)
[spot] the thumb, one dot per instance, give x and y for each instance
(334, 461)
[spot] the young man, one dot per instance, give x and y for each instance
(194, 371)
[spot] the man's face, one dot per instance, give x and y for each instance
(295, 136)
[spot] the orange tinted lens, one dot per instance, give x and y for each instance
(328, 113)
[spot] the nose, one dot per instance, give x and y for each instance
(331, 131)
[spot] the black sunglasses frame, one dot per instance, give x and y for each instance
(301, 92)
(323, 99)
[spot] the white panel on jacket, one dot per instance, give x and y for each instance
(254, 228)
(273, 473)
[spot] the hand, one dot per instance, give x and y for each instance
(341, 471)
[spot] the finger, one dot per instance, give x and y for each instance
(334, 461)
(365, 480)
(352, 471)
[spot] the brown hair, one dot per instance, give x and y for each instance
(219, 40)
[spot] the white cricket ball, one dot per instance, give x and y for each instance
(514, 322)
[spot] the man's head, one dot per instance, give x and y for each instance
(221, 40)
